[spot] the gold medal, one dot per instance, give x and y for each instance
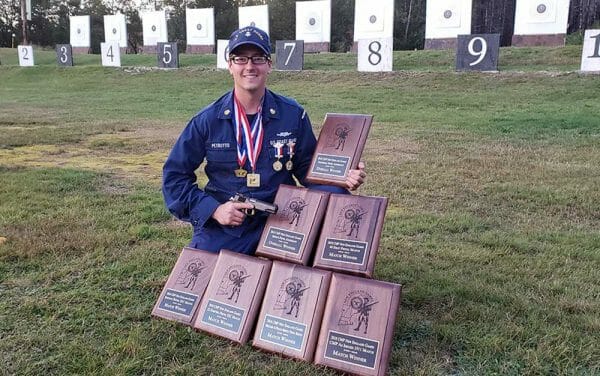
(240, 172)
(289, 165)
(253, 180)
(277, 166)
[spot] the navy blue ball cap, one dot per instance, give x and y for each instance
(250, 35)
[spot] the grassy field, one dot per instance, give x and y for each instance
(493, 226)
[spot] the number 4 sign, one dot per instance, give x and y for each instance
(289, 55)
(590, 56)
(111, 54)
(375, 55)
(477, 52)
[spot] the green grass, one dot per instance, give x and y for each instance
(493, 226)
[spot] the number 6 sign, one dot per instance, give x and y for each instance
(477, 52)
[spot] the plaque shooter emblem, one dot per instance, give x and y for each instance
(232, 281)
(189, 275)
(290, 294)
(356, 310)
(338, 140)
(293, 210)
(349, 220)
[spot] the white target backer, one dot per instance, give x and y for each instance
(373, 19)
(80, 31)
(448, 18)
(313, 21)
(154, 26)
(115, 29)
(222, 53)
(257, 15)
(538, 17)
(25, 56)
(200, 26)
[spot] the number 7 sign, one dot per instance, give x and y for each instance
(289, 55)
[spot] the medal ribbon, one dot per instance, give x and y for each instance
(249, 139)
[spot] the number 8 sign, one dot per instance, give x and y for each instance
(375, 55)
(477, 52)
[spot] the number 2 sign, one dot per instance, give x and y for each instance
(477, 52)
(25, 56)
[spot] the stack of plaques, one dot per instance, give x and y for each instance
(358, 325)
(187, 282)
(350, 236)
(290, 234)
(233, 296)
(292, 310)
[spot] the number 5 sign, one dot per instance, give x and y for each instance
(590, 56)
(375, 55)
(167, 55)
(289, 55)
(477, 52)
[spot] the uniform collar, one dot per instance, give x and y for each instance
(270, 109)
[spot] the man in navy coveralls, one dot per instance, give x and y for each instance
(252, 140)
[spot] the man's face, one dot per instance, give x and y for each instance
(249, 77)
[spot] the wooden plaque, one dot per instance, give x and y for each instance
(350, 234)
(339, 148)
(233, 296)
(180, 298)
(290, 234)
(292, 309)
(358, 325)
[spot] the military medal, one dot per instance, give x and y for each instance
(253, 180)
(240, 172)
(289, 164)
(277, 165)
(249, 142)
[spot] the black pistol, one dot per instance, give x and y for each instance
(258, 205)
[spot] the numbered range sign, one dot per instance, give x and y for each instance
(590, 56)
(477, 52)
(64, 55)
(375, 55)
(111, 54)
(25, 56)
(167, 54)
(222, 54)
(289, 55)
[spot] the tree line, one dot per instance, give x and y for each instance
(50, 20)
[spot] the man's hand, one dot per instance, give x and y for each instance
(230, 213)
(356, 177)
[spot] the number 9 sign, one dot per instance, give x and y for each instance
(477, 52)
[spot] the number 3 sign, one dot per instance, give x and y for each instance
(477, 52)
(375, 55)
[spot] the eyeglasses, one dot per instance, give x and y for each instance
(256, 60)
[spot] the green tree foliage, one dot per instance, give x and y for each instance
(50, 19)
